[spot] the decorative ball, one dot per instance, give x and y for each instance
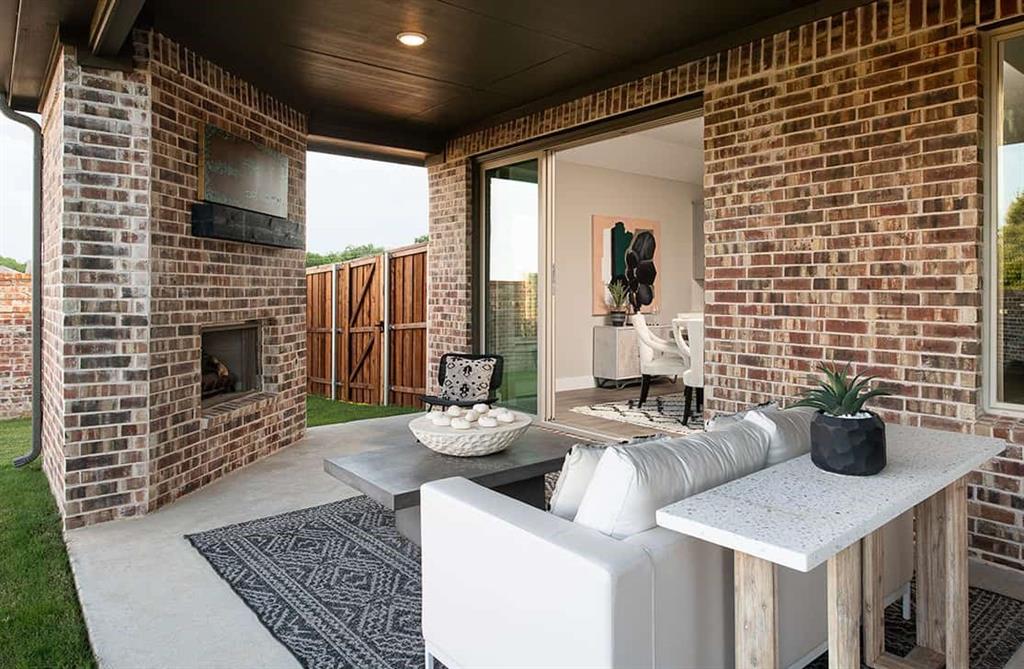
(471, 415)
(454, 411)
(441, 420)
(481, 408)
(460, 424)
(488, 421)
(506, 417)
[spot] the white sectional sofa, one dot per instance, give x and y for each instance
(508, 585)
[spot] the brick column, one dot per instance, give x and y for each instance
(450, 266)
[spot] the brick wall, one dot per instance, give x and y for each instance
(127, 288)
(843, 195)
(15, 345)
(50, 268)
(204, 282)
(449, 272)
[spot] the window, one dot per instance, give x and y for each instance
(1005, 225)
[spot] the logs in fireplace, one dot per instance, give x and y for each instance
(230, 362)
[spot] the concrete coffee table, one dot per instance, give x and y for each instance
(392, 475)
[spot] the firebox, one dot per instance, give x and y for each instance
(230, 362)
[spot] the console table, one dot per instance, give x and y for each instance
(617, 354)
(798, 516)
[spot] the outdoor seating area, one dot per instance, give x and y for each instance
(461, 335)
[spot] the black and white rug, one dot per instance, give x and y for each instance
(660, 414)
(336, 584)
(340, 588)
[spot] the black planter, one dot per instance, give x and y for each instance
(850, 446)
(618, 318)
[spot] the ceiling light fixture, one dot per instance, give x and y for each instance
(412, 39)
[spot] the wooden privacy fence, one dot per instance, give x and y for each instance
(366, 330)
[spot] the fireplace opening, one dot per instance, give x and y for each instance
(230, 362)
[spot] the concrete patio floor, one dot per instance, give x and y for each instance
(151, 601)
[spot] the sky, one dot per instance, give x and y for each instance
(349, 201)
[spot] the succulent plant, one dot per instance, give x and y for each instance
(839, 394)
(619, 293)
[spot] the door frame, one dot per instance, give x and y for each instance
(481, 257)
(544, 150)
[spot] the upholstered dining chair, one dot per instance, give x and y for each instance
(658, 357)
(692, 348)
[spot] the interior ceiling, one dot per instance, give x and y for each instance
(339, 60)
(671, 151)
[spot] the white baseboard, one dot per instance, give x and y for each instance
(574, 383)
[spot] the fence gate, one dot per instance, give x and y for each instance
(366, 321)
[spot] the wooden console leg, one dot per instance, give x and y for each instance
(844, 603)
(930, 526)
(873, 557)
(956, 609)
(755, 612)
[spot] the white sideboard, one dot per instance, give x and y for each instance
(616, 356)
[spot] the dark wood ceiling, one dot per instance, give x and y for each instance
(339, 60)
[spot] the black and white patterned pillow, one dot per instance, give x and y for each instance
(467, 379)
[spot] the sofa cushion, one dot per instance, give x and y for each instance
(632, 482)
(577, 471)
(789, 429)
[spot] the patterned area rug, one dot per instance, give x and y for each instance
(340, 588)
(664, 413)
(336, 584)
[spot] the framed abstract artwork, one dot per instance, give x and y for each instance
(626, 250)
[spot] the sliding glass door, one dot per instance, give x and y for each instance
(511, 254)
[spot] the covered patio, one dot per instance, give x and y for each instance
(853, 209)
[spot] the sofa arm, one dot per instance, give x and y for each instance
(508, 585)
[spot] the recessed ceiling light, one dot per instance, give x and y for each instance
(412, 39)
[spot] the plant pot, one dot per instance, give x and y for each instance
(618, 318)
(848, 445)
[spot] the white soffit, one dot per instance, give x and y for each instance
(668, 152)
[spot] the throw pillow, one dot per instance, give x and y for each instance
(577, 470)
(722, 421)
(467, 379)
(789, 430)
(631, 483)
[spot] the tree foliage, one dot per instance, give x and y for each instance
(12, 264)
(349, 253)
(422, 239)
(1011, 246)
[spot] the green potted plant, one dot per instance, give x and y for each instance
(619, 294)
(845, 437)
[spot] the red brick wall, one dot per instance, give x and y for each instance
(199, 282)
(127, 288)
(449, 272)
(843, 197)
(15, 345)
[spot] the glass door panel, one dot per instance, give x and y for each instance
(512, 197)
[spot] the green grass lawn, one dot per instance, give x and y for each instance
(322, 411)
(40, 621)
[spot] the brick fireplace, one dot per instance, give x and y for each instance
(132, 299)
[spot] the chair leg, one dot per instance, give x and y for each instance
(687, 400)
(645, 386)
(700, 400)
(428, 660)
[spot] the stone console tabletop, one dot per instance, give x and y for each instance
(798, 516)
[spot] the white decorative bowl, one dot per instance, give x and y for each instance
(468, 442)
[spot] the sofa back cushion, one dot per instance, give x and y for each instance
(631, 483)
(789, 430)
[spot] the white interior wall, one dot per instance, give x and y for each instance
(581, 191)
